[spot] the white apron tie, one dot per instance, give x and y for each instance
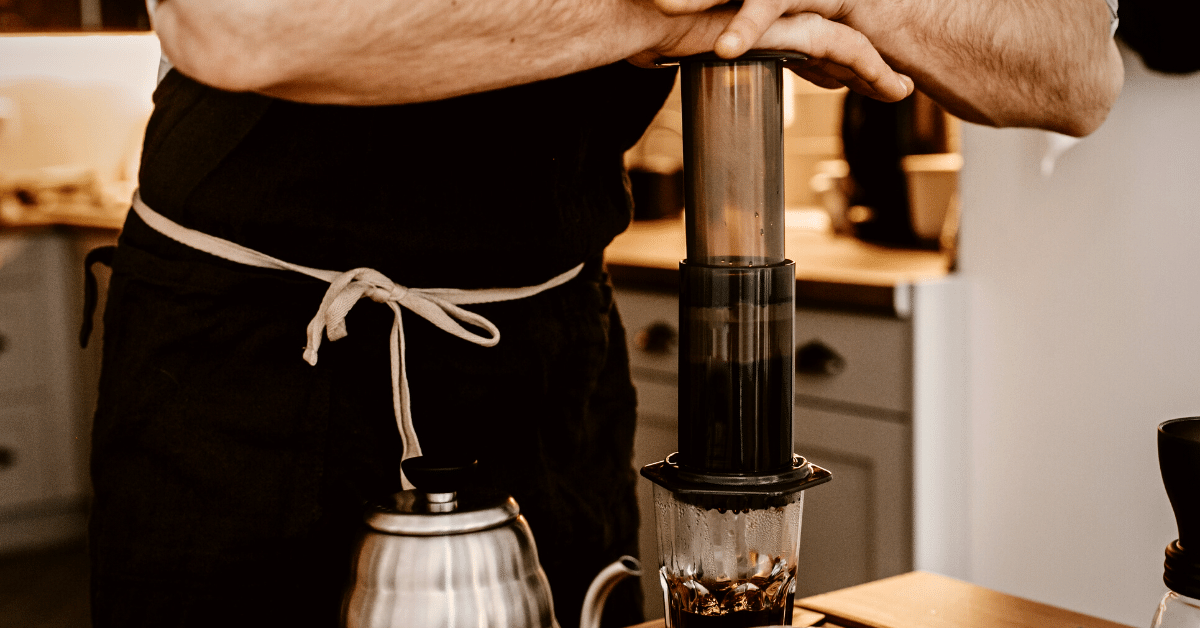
(439, 306)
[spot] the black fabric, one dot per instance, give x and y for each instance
(229, 474)
(532, 175)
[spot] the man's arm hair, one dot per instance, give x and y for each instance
(394, 51)
(1040, 63)
(1050, 64)
(366, 52)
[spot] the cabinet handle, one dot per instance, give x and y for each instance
(3, 343)
(817, 358)
(7, 458)
(656, 338)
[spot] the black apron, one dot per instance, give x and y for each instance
(230, 475)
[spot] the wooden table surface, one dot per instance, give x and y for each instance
(926, 600)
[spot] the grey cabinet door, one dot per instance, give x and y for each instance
(47, 388)
(21, 459)
(656, 438)
(875, 353)
(654, 365)
(858, 527)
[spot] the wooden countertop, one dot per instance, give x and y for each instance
(831, 270)
(926, 600)
(110, 217)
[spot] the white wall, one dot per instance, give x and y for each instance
(1085, 334)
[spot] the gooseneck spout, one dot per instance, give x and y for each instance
(597, 593)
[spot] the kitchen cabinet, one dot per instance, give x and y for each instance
(29, 15)
(23, 16)
(859, 404)
(47, 386)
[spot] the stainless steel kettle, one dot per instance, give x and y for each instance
(436, 558)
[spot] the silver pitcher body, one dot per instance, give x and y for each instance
(443, 559)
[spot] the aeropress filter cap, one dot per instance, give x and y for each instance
(1179, 461)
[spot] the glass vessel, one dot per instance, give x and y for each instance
(733, 569)
(1177, 611)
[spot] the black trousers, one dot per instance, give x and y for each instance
(230, 475)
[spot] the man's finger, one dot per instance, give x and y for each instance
(684, 7)
(818, 78)
(747, 26)
(836, 43)
(833, 76)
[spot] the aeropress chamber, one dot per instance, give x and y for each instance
(728, 504)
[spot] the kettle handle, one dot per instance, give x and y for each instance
(602, 585)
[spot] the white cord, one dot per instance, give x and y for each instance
(437, 305)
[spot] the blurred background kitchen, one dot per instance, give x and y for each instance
(990, 324)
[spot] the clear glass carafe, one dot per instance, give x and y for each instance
(1177, 611)
(733, 569)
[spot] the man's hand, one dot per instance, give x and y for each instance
(1048, 64)
(838, 54)
(751, 20)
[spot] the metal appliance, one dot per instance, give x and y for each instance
(728, 504)
(1179, 462)
(446, 556)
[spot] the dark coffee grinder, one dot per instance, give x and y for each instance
(728, 504)
(1179, 462)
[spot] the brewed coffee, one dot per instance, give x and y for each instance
(741, 603)
(736, 619)
(737, 409)
(735, 385)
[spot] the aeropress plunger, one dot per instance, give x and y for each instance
(728, 504)
(1179, 461)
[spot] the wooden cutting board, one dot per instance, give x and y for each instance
(801, 618)
(926, 600)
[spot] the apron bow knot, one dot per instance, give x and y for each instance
(439, 306)
(395, 292)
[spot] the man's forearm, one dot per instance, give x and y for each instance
(1049, 64)
(371, 52)
(394, 51)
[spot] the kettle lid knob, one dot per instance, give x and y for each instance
(440, 474)
(446, 500)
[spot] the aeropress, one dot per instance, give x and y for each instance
(728, 504)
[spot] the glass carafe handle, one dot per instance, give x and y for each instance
(1177, 611)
